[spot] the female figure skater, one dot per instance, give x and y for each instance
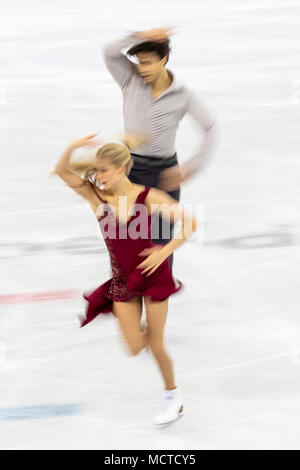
(140, 269)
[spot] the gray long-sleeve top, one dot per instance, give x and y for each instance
(158, 118)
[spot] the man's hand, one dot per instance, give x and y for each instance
(171, 178)
(157, 34)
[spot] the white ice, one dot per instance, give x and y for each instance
(234, 332)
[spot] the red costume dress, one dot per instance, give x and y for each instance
(127, 280)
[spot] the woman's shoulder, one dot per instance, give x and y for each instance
(140, 187)
(155, 194)
(158, 196)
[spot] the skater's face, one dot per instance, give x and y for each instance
(108, 174)
(150, 66)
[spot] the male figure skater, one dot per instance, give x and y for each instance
(153, 105)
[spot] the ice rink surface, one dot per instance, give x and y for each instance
(234, 332)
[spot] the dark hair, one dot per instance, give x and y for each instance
(162, 49)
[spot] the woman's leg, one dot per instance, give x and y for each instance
(156, 318)
(129, 315)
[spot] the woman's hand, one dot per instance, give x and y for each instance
(84, 141)
(153, 261)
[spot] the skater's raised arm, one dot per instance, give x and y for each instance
(64, 171)
(120, 67)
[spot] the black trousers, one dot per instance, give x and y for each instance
(145, 171)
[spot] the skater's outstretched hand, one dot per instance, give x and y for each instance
(67, 173)
(156, 34)
(171, 178)
(86, 141)
(153, 261)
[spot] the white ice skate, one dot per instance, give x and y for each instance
(171, 408)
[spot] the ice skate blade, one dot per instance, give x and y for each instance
(166, 423)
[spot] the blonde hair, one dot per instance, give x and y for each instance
(117, 154)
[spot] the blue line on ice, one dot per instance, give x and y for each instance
(40, 411)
